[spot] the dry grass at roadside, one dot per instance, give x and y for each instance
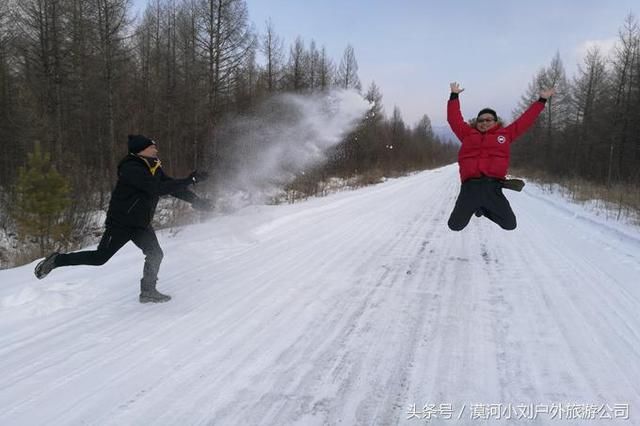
(621, 200)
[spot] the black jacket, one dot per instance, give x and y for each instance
(135, 197)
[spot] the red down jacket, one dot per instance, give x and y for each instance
(487, 153)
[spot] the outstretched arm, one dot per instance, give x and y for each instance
(454, 116)
(526, 120)
(138, 176)
(189, 196)
(167, 186)
(196, 202)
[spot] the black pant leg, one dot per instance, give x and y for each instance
(147, 241)
(113, 239)
(497, 207)
(466, 205)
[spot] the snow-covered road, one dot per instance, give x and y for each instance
(360, 308)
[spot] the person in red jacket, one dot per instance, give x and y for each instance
(483, 160)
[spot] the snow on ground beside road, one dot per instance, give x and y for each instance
(349, 309)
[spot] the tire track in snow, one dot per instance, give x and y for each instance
(248, 360)
(346, 330)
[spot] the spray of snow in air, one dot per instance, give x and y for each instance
(283, 137)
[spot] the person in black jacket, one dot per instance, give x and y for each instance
(141, 181)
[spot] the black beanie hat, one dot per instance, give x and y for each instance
(488, 111)
(139, 142)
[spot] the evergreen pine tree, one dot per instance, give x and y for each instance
(41, 197)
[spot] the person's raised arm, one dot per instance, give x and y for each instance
(454, 116)
(526, 120)
(455, 88)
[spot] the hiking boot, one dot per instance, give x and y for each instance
(46, 265)
(153, 296)
(149, 294)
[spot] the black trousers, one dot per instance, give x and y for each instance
(114, 239)
(483, 194)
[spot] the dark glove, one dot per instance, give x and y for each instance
(197, 177)
(513, 184)
(202, 204)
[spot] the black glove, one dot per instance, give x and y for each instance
(513, 184)
(202, 204)
(197, 177)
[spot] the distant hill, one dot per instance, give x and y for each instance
(445, 133)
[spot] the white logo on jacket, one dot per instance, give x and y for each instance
(501, 139)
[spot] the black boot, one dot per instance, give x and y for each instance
(46, 265)
(149, 294)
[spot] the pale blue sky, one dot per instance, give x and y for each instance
(412, 49)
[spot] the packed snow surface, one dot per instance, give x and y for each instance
(359, 308)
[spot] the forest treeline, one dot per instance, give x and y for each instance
(77, 76)
(589, 132)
